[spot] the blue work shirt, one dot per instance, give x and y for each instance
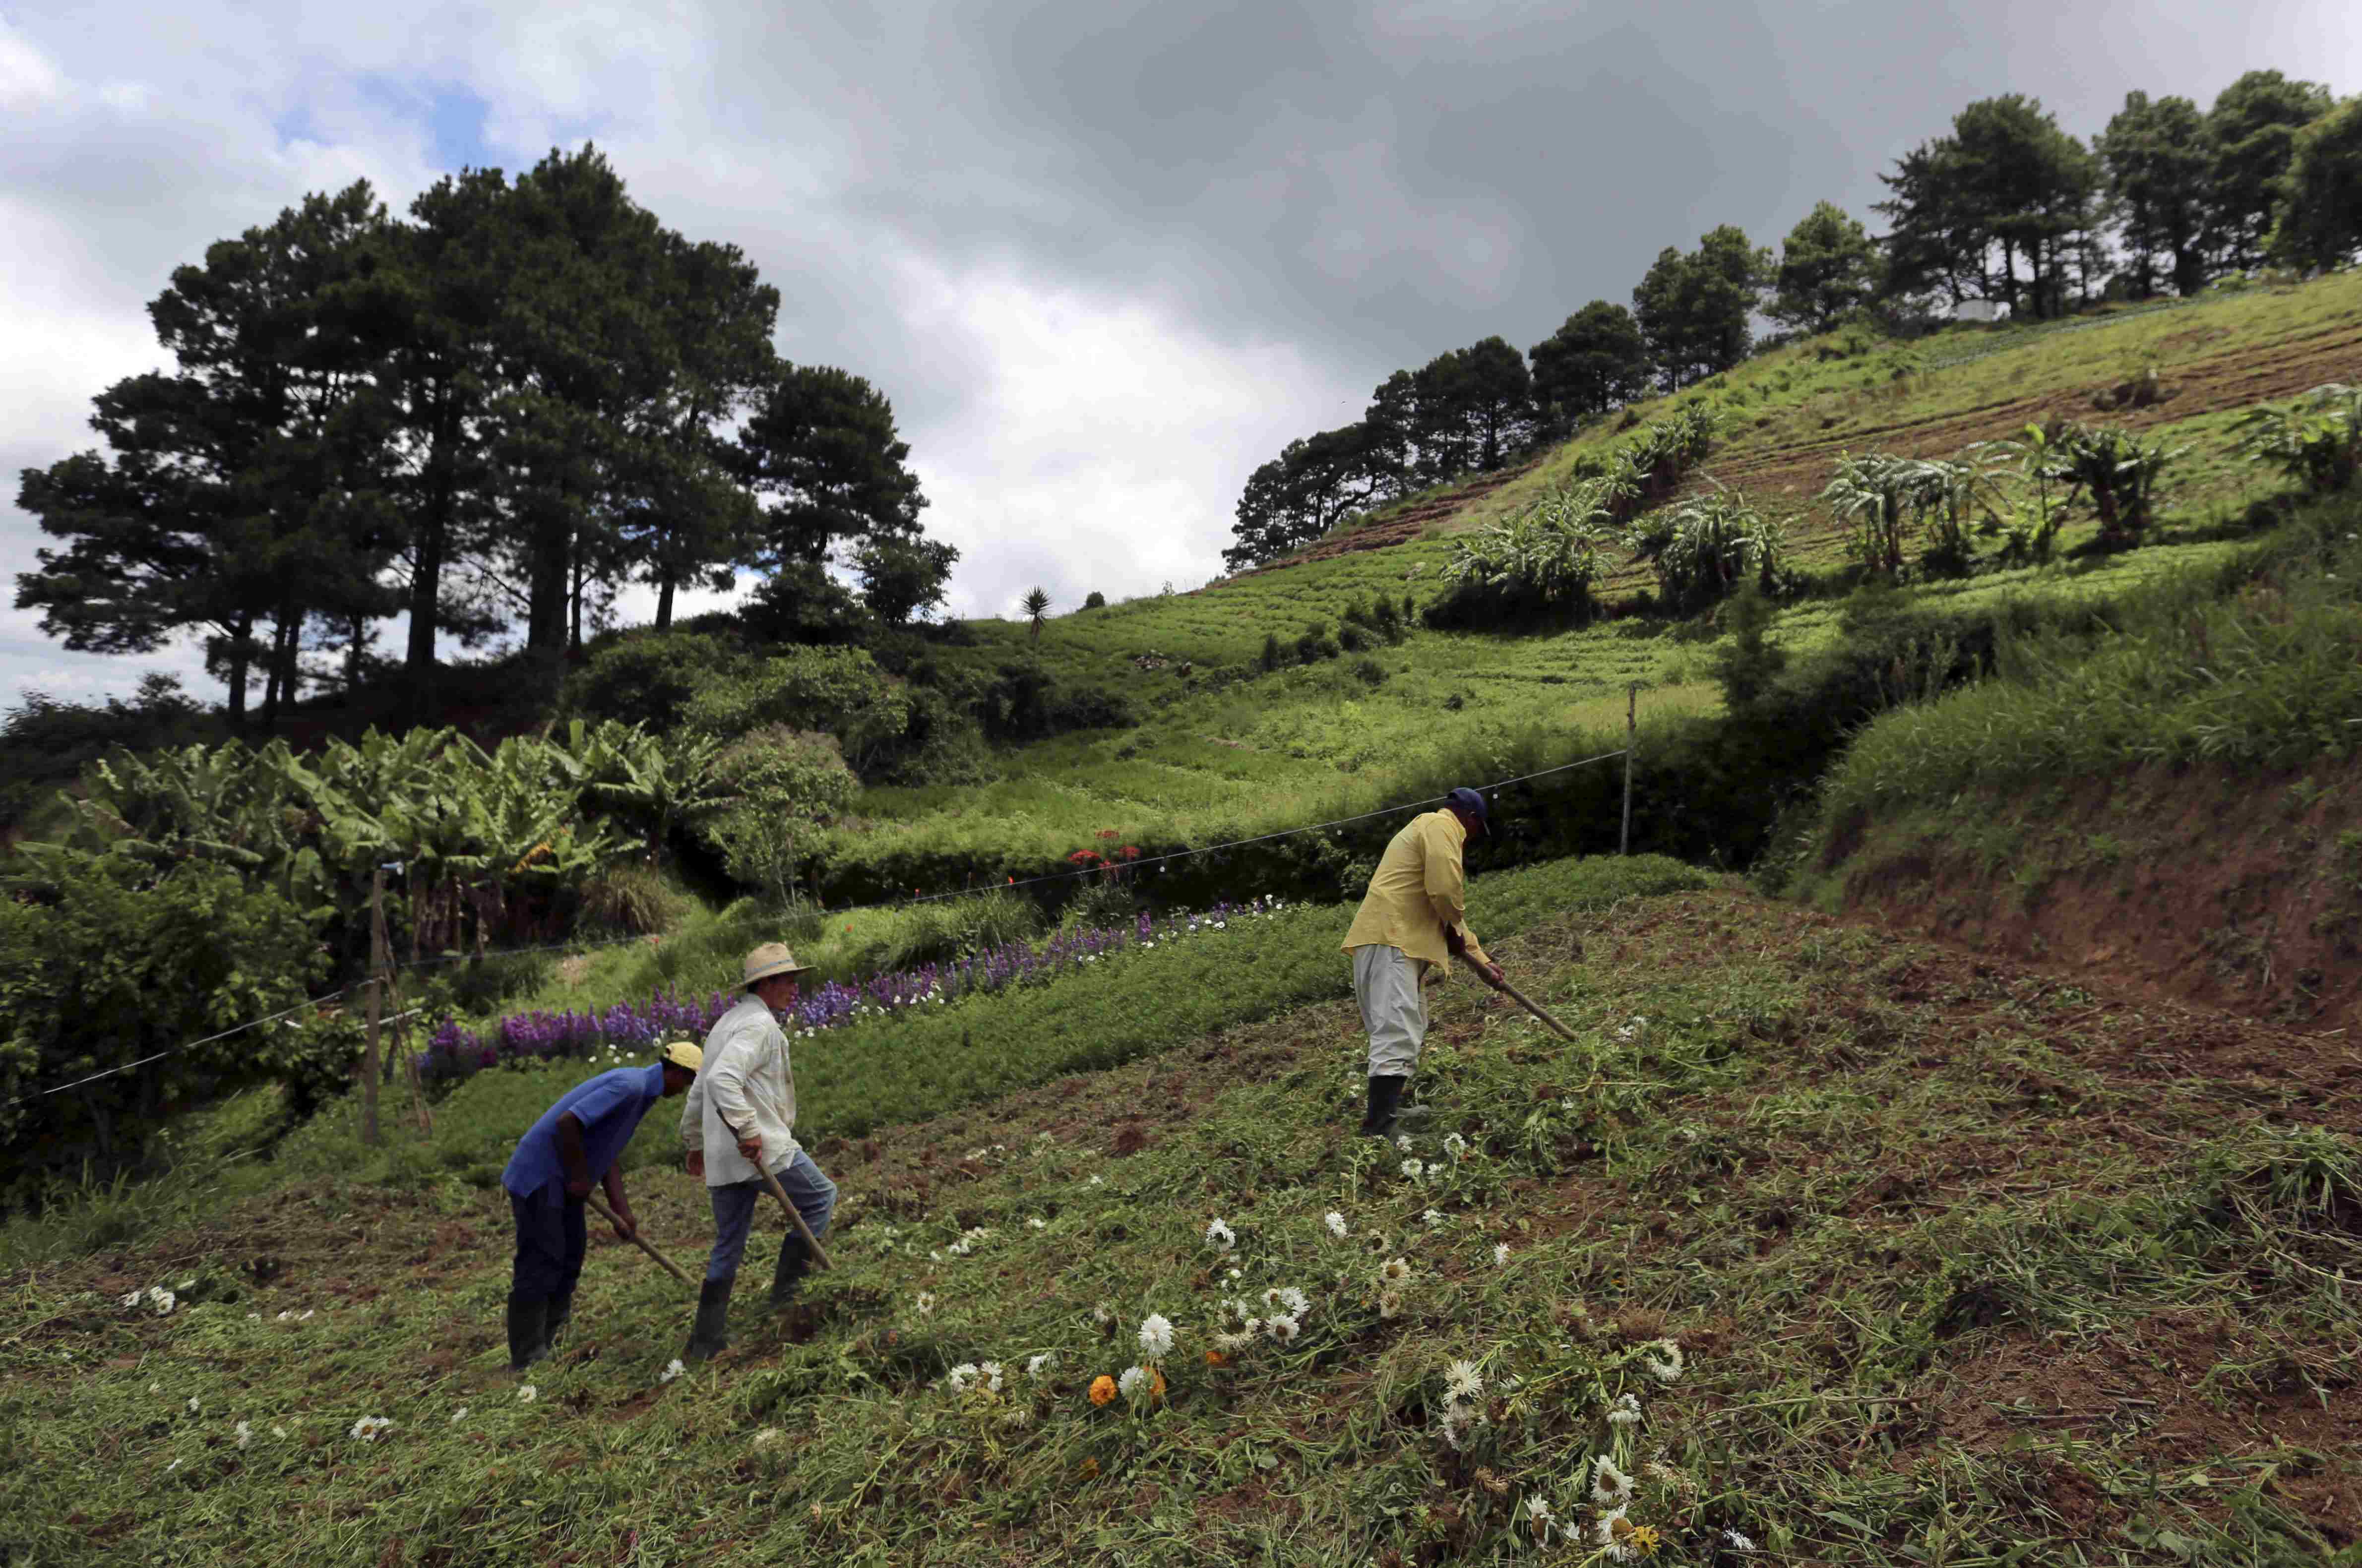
(609, 1107)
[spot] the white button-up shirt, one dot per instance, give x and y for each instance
(745, 1085)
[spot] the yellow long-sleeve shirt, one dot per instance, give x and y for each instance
(1420, 887)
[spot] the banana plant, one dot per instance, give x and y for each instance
(2316, 440)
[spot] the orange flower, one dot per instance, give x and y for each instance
(1102, 1389)
(1215, 1358)
(1156, 1387)
(1088, 1468)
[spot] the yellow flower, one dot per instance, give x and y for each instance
(1645, 1538)
(1102, 1389)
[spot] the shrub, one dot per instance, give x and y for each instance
(1705, 547)
(803, 606)
(2121, 473)
(1750, 662)
(2315, 441)
(45, 743)
(647, 678)
(1273, 655)
(118, 966)
(786, 782)
(840, 691)
(1095, 600)
(1370, 673)
(1542, 561)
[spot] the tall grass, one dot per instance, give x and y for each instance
(2259, 664)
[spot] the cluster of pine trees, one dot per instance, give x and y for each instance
(2007, 208)
(489, 414)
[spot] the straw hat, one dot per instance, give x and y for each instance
(682, 1054)
(772, 958)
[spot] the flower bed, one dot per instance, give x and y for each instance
(454, 1051)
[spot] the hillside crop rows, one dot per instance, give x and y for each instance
(1898, 1257)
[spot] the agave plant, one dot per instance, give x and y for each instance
(2316, 440)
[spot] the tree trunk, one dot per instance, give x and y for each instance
(241, 629)
(664, 599)
(574, 609)
(425, 600)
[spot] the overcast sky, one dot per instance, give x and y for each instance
(1104, 256)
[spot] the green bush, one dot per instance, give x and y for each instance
(116, 965)
(1540, 563)
(45, 743)
(1705, 547)
(648, 677)
(784, 782)
(2315, 441)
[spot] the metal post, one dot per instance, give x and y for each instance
(376, 1006)
(1631, 728)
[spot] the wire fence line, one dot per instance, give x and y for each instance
(904, 902)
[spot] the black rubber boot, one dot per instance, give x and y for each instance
(528, 1330)
(561, 1312)
(795, 1261)
(709, 1337)
(1385, 1095)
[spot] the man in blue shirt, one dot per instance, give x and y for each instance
(579, 1140)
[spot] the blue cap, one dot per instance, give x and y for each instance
(1466, 799)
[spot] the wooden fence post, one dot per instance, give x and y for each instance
(1631, 728)
(376, 1007)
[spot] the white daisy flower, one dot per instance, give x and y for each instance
(1500, 1255)
(1394, 1270)
(528, 1394)
(1402, 1141)
(1462, 1381)
(244, 1433)
(1288, 1299)
(459, 1415)
(1231, 1343)
(1610, 1488)
(1625, 1411)
(1390, 1304)
(673, 1369)
(962, 1377)
(1284, 1330)
(1155, 1336)
(1034, 1368)
(368, 1428)
(1455, 1145)
(1133, 1379)
(193, 1403)
(1537, 1514)
(926, 1302)
(1737, 1542)
(1336, 1223)
(1603, 1534)
(1666, 1368)
(132, 1299)
(1413, 1169)
(161, 1299)
(1102, 1314)
(1220, 1237)
(990, 1372)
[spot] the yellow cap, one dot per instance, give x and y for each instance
(682, 1054)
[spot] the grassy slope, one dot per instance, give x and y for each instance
(1966, 1266)
(1307, 744)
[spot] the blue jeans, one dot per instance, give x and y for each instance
(813, 1194)
(551, 1240)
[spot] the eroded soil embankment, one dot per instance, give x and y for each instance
(2239, 891)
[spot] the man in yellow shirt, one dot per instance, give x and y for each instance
(1411, 924)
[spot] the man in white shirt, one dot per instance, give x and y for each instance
(739, 1122)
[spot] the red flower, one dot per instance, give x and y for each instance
(1084, 857)
(1107, 832)
(1132, 852)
